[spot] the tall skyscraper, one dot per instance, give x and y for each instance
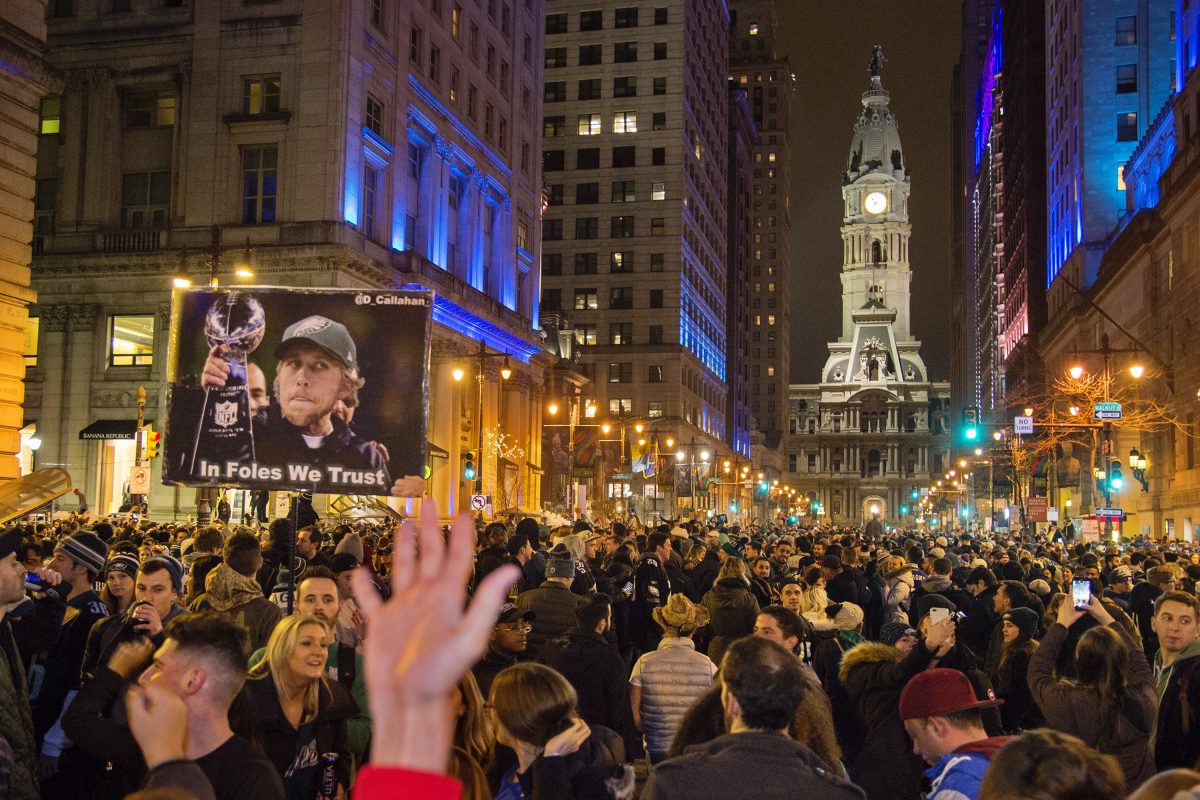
(351, 144)
(767, 78)
(873, 429)
(634, 239)
(1109, 69)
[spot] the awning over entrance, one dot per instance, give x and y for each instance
(437, 452)
(109, 429)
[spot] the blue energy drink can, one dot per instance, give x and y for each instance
(329, 780)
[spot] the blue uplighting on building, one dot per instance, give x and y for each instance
(430, 99)
(448, 313)
(993, 64)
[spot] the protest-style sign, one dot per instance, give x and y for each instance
(325, 390)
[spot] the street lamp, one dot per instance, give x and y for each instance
(1137, 371)
(1138, 464)
(241, 267)
(1076, 372)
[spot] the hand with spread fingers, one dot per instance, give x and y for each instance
(424, 638)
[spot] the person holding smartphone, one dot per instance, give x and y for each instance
(1112, 706)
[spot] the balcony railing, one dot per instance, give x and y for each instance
(130, 240)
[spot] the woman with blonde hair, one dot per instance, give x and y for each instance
(474, 739)
(546, 752)
(732, 607)
(297, 711)
(814, 599)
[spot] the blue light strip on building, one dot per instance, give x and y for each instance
(456, 318)
(462, 130)
(992, 65)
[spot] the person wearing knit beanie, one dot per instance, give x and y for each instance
(900, 635)
(351, 543)
(122, 563)
(1025, 620)
(87, 550)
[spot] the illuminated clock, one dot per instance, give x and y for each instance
(876, 203)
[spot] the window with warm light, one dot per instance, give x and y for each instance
(32, 331)
(131, 340)
(625, 122)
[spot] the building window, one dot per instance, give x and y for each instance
(624, 52)
(552, 230)
(377, 13)
(620, 372)
(620, 406)
(656, 334)
(556, 23)
(554, 161)
(586, 263)
(590, 125)
(623, 192)
(624, 156)
(149, 109)
(658, 191)
(587, 228)
(625, 87)
(654, 374)
(370, 196)
(622, 228)
(585, 300)
(555, 92)
(50, 115)
(660, 16)
(374, 116)
(660, 51)
(620, 262)
(556, 57)
(1120, 177)
(414, 46)
(456, 21)
(625, 122)
(1126, 30)
(473, 42)
(656, 298)
(585, 334)
(435, 67)
(131, 340)
(587, 158)
(658, 156)
(620, 333)
(626, 18)
(589, 89)
(620, 297)
(260, 95)
(587, 194)
(144, 199)
(656, 262)
(658, 121)
(658, 226)
(1126, 78)
(654, 409)
(554, 126)
(590, 20)
(1127, 127)
(552, 263)
(590, 54)
(32, 329)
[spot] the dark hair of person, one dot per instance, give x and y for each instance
(207, 540)
(790, 623)
(533, 702)
(766, 680)
(1045, 764)
(593, 610)
(1017, 593)
(942, 566)
(218, 639)
(317, 572)
(655, 541)
(812, 576)
(496, 534)
(242, 552)
(1102, 664)
(1173, 596)
(516, 543)
(981, 574)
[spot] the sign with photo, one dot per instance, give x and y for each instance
(324, 390)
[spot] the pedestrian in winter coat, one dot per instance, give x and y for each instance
(584, 656)
(814, 598)
(1176, 623)
(731, 607)
(897, 589)
(1019, 711)
(1141, 604)
(874, 674)
(1112, 707)
(756, 758)
(553, 602)
(1049, 765)
(665, 682)
(231, 589)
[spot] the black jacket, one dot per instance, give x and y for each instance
(554, 605)
(764, 765)
(1177, 735)
(975, 631)
(1019, 712)
(732, 611)
(64, 661)
(600, 677)
(1141, 607)
(582, 775)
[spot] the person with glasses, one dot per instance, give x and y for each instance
(510, 639)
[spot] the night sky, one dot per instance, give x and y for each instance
(829, 44)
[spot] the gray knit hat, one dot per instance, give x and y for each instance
(86, 548)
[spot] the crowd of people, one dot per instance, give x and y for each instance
(518, 662)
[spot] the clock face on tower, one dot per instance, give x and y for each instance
(875, 203)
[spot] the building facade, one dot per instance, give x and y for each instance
(635, 120)
(873, 430)
(757, 67)
(354, 145)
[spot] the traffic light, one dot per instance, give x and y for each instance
(914, 494)
(152, 440)
(469, 467)
(1115, 480)
(903, 509)
(970, 421)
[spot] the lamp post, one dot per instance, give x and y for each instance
(241, 267)
(505, 373)
(1138, 464)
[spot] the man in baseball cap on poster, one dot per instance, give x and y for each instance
(941, 714)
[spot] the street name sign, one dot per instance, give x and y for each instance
(1108, 410)
(1110, 513)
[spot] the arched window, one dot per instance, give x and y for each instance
(876, 252)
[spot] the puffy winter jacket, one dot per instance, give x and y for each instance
(897, 589)
(671, 679)
(732, 611)
(554, 605)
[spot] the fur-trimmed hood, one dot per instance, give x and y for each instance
(867, 653)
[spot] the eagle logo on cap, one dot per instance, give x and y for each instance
(309, 326)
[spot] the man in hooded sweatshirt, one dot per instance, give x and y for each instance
(941, 714)
(1176, 623)
(232, 590)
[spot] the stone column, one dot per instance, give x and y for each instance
(439, 188)
(476, 207)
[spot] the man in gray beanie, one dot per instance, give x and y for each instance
(80, 560)
(553, 602)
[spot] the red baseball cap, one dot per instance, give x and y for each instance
(937, 692)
